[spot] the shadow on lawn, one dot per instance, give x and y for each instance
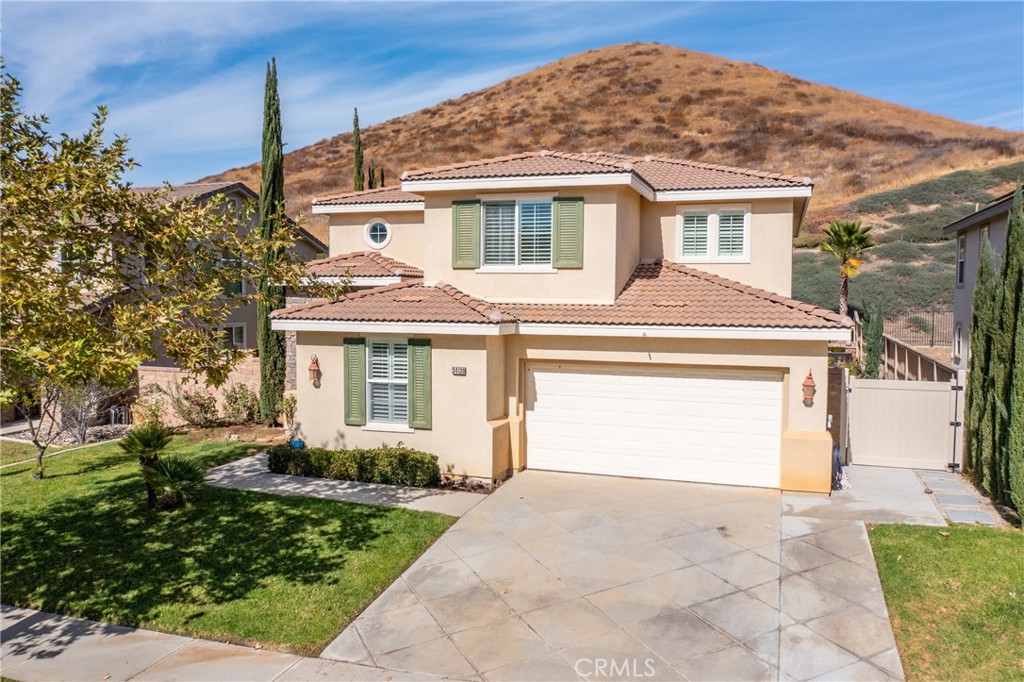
(106, 556)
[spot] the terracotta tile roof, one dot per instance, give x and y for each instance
(658, 294)
(404, 302)
(382, 195)
(659, 172)
(198, 190)
(670, 294)
(362, 264)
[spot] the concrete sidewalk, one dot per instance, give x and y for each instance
(251, 474)
(43, 647)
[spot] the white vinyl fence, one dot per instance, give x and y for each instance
(909, 424)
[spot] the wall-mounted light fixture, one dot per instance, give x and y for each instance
(809, 388)
(314, 370)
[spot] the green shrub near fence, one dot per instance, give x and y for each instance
(396, 465)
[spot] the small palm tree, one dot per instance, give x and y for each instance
(846, 240)
(146, 442)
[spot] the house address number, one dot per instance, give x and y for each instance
(459, 371)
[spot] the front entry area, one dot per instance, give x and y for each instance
(685, 424)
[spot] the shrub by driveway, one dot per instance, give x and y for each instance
(242, 566)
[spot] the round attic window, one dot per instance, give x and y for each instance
(378, 233)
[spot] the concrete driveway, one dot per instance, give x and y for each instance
(566, 577)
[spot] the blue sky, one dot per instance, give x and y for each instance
(185, 80)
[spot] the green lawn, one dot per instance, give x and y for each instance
(240, 566)
(11, 451)
(956, 601)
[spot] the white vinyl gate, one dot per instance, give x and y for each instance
(907, 424)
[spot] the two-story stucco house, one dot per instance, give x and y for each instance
(590, 313)
(988, 222)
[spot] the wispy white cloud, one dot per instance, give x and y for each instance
(1013, 119)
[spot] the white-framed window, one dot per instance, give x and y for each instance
(958, 340)
(387, 382)
(714, 234)
(516, 233)
(234, 335)
(236, 287)
(377, 233)
(961, 259)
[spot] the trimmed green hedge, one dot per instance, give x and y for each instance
(392, 465)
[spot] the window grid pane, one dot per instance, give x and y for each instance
(500, 233)
(388, 382)
(535, 233)
(730, 233)
(695, 234)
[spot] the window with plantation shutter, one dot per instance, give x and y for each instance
(387, 382)
(517, 233)
(568, 233)
(419, 384)
(713, 234)
(695, 234)
(731, 229)
(500, 233)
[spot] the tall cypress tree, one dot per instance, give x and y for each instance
(1015, 439)
(380, 183)
(983, 325)
(270, 343)
(1005, 365)
(371, 177)
(357, 151)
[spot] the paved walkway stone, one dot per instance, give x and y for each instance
(957, 499)
(44, 647)
(251, 473)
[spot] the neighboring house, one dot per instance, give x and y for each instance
(985, 223)
(240, 327)
(592, 313)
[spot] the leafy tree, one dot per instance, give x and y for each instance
(357, 151)
(94, 273)
(846, 240)
(873, 331)
(983, 326)
(271, 294)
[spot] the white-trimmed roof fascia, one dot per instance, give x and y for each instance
(832, 335)
(353, 281)
(435, 328)
(688, 332)
(732, 194)
(389, 207)
(520, 182)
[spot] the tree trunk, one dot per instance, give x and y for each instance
(844, 292)
(147, 463)
(40, 451)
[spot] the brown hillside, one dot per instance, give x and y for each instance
(656, 99)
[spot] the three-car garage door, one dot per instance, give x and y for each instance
(705, 425)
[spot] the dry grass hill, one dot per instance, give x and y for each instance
(657, 99)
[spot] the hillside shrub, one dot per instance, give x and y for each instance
(966, 186)
(926, 226)
(392, 465)
(944, 252)
(241, 404)
(899, 251)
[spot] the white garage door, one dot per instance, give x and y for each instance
(712, 426)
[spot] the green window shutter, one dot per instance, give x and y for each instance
(419, 383)
(355, 382)
(466, 234)
(568, 237)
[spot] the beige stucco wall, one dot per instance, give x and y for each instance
(771, 234)
(627, 232)
(347, 234)
(478, 420)
(963, 296)
(460, 435)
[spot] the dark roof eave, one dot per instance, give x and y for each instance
(988, 213)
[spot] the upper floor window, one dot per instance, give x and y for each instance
(961, 259)
(234, 335)
(517, 233)
(233, 287)
(720, 234)
(377, 233)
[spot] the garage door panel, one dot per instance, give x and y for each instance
(715, 426)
